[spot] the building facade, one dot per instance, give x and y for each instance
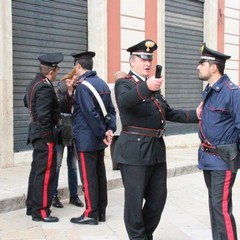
(109, 27)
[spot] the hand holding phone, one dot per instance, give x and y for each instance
(154, 83)
(158, 71)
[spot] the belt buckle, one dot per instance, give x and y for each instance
(206, 149)
(159, 133)
(209, 148)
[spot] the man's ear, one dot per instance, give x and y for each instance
(51, 72)
(214, 68)
(131, 62)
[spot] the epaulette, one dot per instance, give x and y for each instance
(127, 77)
(232, 86)
(132, 78)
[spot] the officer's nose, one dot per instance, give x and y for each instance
(148, 63)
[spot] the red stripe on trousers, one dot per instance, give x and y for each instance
(227, 219)
(46, 179)
(85, 185)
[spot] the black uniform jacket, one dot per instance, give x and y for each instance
(140, 107)
(41, 100)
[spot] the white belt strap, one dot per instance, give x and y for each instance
(97, 96)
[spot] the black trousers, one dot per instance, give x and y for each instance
(219, 185)
(145, 197)
(94, 182)
(41, 179)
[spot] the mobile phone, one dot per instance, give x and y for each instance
(158, 71)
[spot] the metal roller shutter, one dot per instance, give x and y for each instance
(184, 35)
(41, 26)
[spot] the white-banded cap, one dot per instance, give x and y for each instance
(143, 49)
(208, 54)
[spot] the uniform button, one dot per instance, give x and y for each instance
(139, 139)
(217, 87)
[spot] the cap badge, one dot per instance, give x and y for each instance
(202, 48)
(149, 44)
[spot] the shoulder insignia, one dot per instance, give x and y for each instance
(132, 78)
(232, 86)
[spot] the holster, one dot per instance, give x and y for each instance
(229, 153)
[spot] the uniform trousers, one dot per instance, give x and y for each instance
(94, 182)
(219, 185)
(41, 179)
(145, 197)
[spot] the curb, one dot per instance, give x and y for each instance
(18, 202)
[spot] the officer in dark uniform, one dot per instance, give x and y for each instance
(219, 132)
(92, 132)
(45, 117)
(140, 149)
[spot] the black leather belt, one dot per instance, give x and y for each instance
(209, 149)
(148, 132)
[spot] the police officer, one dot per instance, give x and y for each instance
(45, 116)
(219, 133)
(92, 132)
(140, 149)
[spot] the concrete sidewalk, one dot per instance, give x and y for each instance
(14, 180)
(185, 216)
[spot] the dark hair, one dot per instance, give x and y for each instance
(220, 66)
(44, 69)
(86, 63)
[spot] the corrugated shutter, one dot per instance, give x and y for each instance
(42, 26)
(184, 35)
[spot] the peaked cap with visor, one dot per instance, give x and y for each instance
(208, 54)
(83, 55)
(51, 59)
(144, 49)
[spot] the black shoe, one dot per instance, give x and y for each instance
(84, 220)
(75, 200)
(46, 219)
(102, 217)
(56, 202)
